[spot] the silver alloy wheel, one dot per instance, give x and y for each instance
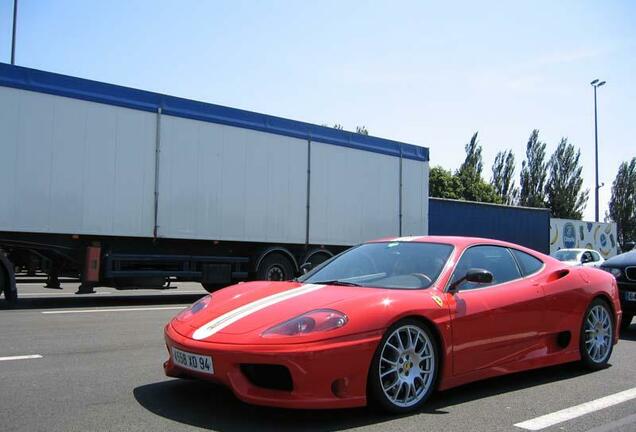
(407, 366)
(598, 333)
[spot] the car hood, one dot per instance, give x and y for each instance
(622, 260)
(241, 313)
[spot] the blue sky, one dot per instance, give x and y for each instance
(428, 73)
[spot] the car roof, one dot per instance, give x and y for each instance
(454, 240)
(461, 243)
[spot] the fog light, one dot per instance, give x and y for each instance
(339, 387)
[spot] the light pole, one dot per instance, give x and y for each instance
(15, 19)
(596, 84)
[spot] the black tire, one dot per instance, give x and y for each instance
(10, 295)
(587, 358)
(627, 320)
(318, 258)
(377, 396)
(275, 267)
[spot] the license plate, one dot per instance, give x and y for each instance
(193, 362)
(630, 296)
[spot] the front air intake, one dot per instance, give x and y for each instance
(269, 376)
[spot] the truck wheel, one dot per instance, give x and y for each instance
(275, 267)
(5, 286)
(318, 258)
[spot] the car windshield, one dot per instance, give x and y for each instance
(567, 255)
(404, 265)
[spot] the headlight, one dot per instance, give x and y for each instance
(616, 272)
(319, 320)
(196, 307)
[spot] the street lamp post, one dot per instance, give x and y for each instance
(15, 19)
(596, 84)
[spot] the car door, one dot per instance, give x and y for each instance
(497, 323)
(598, 259)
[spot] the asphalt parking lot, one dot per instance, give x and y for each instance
(94, 362)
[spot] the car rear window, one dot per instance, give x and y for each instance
(527, 262)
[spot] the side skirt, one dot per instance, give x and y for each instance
(509, 368)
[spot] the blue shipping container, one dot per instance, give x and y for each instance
(526, 226)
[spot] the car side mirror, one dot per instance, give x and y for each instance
(306, 267)
(475, 275)
(478, 275)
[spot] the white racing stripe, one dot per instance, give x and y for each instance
(57, 312)
(577, 411)
(22, 357)
(219, 323)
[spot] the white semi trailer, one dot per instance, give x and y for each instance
(128, 188)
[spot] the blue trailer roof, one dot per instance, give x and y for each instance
(526, 226)
(78, 88)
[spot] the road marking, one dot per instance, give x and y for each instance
(22, 357)
(57, 312)
(577, 411)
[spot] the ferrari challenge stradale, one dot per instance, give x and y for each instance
(389, 321)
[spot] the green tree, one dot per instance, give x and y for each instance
(443, 184)
(481, 191)
(622, 205)
(563, 191)
(472, 165)
(533, 173)
(503, 171)
(473, 187)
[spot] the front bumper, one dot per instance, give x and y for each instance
(326, 374)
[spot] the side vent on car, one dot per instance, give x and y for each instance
(557, 275)
(563, 339)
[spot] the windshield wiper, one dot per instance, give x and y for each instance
(337, 282)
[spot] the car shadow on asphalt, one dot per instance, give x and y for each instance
(628, 334)
(214, 407)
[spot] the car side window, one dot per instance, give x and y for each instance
(586, 257)
(596, 256)
(529, 264)
(496, 259)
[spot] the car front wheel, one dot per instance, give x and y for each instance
(597, 335)
(404, 369)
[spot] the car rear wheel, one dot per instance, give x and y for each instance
(404, 369)
(627, 320)
(597, 335)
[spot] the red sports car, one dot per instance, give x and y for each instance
(391, 320)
